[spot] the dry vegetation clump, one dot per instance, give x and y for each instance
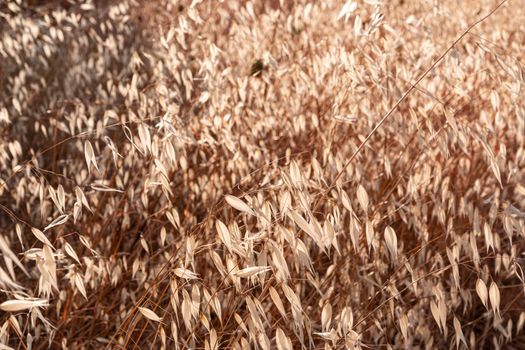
(209, 175)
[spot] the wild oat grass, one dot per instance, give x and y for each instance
(262, 175)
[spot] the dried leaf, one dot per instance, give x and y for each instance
(403, 324)
(278, 302)
(252, 271)
(239, 204)
(71, 252)
(19, 305)
(62, 219)
(149, 314)
(41, 236)
(326, 316)
(494, 297)
(283, 342)
(303, 225)
(347, 10)
(79, 283)
(185, 273)
(481, 289)
(224, 235)
(362, 197)
(459, 333)
(391, 241)
(89, 155)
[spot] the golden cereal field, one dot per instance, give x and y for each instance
(284, 174)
